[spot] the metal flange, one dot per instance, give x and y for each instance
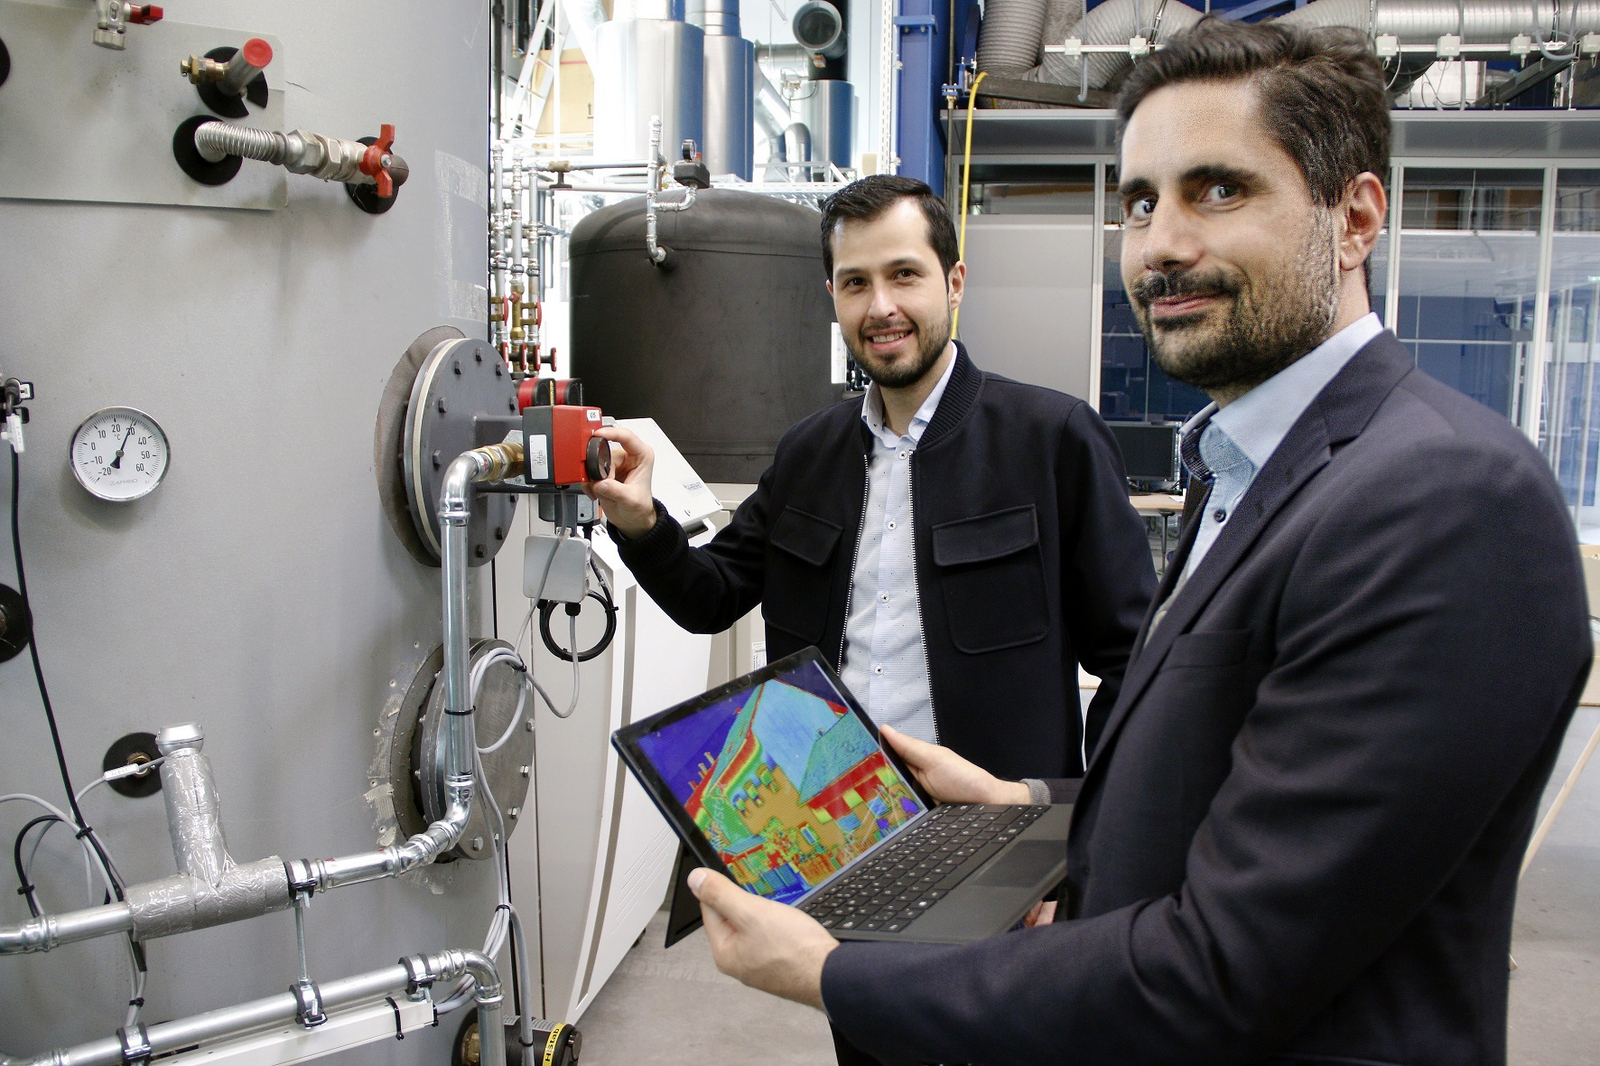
(416, 758)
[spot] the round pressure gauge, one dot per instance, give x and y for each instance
(119, 454)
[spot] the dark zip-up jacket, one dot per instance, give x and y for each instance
(1029, 559)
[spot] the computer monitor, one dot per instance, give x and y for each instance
(1149, 454)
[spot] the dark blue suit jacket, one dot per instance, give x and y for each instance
(1298, 838)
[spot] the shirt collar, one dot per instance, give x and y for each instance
(872, 410)
(1259, 420)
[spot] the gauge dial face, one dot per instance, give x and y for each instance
(120, 454)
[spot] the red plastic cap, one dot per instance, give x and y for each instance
(144, 14)
(257, 53)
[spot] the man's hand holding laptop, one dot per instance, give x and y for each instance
(780, 949)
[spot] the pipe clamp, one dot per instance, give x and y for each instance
(135, 1041)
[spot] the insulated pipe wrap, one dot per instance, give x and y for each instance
(194, 815)
(179, 904)
(1425, 21)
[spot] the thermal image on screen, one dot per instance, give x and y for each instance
(784, 781)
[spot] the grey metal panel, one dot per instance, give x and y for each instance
(69, 106)
(259, 591)
(1029, 289)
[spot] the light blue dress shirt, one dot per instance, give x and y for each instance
(1237, 440)
(885, 659)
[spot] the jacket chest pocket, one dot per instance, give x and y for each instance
(799, 580)
(991, 575)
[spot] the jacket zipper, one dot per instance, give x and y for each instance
(850, 584)
(916, 589)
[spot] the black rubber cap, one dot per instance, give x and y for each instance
(16, 623)
(5, 63)
(135, 747)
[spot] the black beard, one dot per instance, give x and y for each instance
(1265, 330)
(930, 345)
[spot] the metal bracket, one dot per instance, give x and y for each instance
(920, 23)
(310, 1013)
(419, 979)
(135, 1041)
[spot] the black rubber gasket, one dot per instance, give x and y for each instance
(129, 749)
(16, 623)
(196, 165)
(232, 106)
(5, 63)
(366, 196)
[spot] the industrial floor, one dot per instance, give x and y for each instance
(672, 1008)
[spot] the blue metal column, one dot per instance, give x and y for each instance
(923, 34)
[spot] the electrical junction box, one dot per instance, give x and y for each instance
(555, 569)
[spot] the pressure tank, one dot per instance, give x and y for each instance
(726, 345)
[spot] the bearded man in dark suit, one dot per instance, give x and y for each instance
(1298, 838)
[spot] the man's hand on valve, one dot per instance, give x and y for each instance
(625, 496)
(779, 949)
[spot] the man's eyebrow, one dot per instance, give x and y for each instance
(846, 270)
(1219, 173)
(1131, 188)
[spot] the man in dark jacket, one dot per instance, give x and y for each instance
(1299, 834)
(955, 543)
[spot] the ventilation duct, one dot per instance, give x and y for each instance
(1007, 48)
(828, 99)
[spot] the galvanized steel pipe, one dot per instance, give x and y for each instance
(247, 1018)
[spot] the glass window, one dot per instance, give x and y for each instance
(1570, 423)
(1469, 265)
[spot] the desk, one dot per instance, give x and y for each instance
(1161, 506)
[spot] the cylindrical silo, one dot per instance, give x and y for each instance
(730, 63)
(650, 62)
(727, 347)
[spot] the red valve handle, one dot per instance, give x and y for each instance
(144, 14)
(372, 163)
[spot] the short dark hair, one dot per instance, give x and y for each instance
(869, 198)
(1323, 94)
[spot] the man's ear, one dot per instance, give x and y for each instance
(1361, 216)
(956, 284)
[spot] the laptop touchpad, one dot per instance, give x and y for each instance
(1022, 866)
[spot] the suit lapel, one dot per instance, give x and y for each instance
(1336, 416)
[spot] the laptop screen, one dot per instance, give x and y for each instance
(784, 780)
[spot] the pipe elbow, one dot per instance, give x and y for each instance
(456, 490)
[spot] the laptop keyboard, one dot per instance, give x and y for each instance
(889, 890)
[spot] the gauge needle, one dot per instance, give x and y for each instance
(116, 464)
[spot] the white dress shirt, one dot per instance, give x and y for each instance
(885, 659)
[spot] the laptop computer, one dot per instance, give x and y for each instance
(779, 779)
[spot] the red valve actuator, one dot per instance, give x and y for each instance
(372, 163)
(144, 14)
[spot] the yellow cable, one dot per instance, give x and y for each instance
(966, 177)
